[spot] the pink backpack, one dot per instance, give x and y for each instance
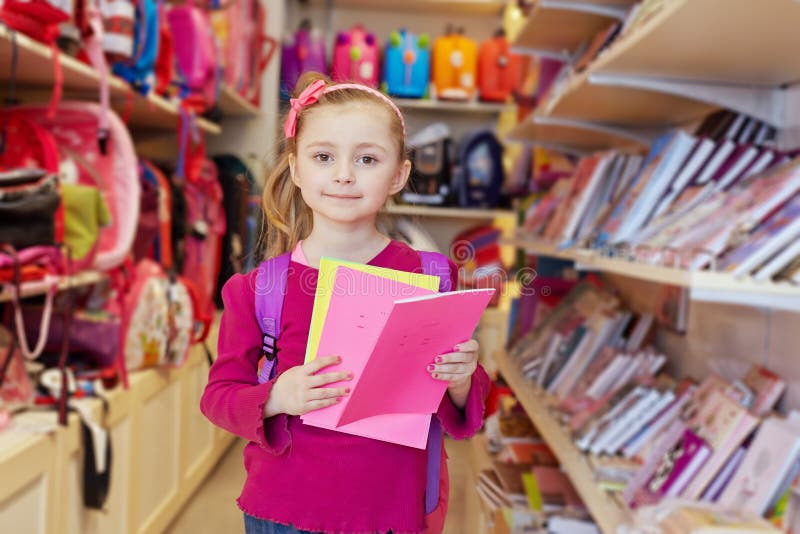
(196, 56)
(75, 127)
(355, 57)
(205, 221)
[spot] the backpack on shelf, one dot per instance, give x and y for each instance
(196, 57)
(483, 267)
(245, 48)
(431, 171)
(154, 233)
(499, 71)
(119, 22)
(238, 185)
(355, 57)
(139, 69)
(304, 51)
(479, 176)
(455, 66)
(407, 64)
(112, 164)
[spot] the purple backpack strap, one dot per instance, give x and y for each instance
(270, 290)
(435, 264)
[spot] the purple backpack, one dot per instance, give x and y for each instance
(304, 52)
(270, 290)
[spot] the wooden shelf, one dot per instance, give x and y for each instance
(233, 104)
(452, 213)
(452, 7)
(40, 288)
(707, 286)
(607, 511)
(452, 106)
(35, 69)
(560, 26)
(577, 136)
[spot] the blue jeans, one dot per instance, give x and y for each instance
(254, 525)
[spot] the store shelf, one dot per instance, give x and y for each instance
(579, 136)
(676, 68)
(703, 40)
(30, 289)
(707, 286)
(35, 70)
(560, 26)
(451, 7)
(452, 105)
(451, 213)
(233, 104)
(607, 511)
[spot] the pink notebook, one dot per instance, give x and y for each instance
(387, 341)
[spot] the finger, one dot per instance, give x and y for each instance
(451, 368)
(310, 406)
(456, 357)
(317, 364)
(329, 378)
(468, 346)
(326, 393)
(450, 377)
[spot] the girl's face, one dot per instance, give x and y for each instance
(347, 162)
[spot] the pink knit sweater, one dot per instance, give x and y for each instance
(312, 478)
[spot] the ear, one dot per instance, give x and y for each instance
(400, 178)
(293, 170)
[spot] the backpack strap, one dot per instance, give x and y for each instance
(436, 264)
(270, 290)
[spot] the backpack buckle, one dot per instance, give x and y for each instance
(270, 348)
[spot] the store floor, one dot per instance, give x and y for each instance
(213, 509)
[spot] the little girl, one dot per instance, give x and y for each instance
(344, 155)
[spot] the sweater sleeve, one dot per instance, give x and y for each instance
(233, 399)
(462, 424)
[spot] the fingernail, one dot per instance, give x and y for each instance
(438, 359)
(457, 348)
(338, 399)
(347, 390)
(431, 367)
(435, 375)
(349, 376)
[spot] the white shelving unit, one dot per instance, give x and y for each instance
(675, 68)
(703, 286)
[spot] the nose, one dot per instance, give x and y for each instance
(344, 174)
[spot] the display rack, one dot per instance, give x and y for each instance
(31, 289)
(558, 27)
(232, 104)
(452, 213)
(706, 286)
(451, 105)
(35, 69)
(473, 7)
(675, 68)
(607, 511)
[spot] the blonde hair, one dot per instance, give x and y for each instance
(287, 218)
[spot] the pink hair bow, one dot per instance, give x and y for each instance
(309, 96)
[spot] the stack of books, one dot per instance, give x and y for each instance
(703, 201)
(649, 436)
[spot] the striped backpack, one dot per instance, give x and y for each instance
(272, 276)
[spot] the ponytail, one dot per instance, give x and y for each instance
(287, 217)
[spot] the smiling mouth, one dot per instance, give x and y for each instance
(344, 197)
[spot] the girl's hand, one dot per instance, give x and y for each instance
(299, 390)
(456, 369)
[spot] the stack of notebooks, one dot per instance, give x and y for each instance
(695, 202)
(651, 437)
(524, 489)
(387, 326)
